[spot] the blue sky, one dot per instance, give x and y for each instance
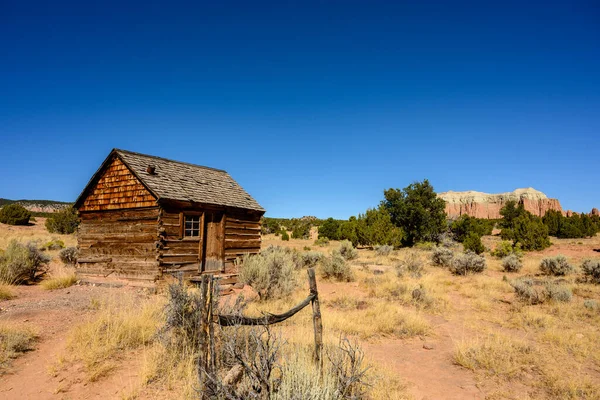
(314, 107)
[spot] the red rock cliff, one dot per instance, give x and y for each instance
(485, 205)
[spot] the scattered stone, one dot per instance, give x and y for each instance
(377, 272)
(428, 346)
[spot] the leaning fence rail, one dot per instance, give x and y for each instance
(207, 362)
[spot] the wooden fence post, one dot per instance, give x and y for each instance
(317, 323)
(206, 360)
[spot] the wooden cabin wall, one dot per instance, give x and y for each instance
(117, 188)
(176, 253)
(242, 236)
(119, 244)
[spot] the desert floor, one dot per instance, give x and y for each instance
(469, 337)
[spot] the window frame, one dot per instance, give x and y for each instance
(183, 216)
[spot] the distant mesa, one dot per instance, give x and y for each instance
(485, 205)
(37, 206)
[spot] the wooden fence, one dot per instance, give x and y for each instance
(207, 362)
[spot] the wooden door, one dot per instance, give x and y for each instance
(214, 241)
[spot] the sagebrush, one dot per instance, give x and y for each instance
(270, 273)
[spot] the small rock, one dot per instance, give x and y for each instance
(25, 320)
(579, 336)
(377, 272)
(428, 346)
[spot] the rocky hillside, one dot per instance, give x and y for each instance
(485, 205)
(37, 206)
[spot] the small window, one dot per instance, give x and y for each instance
(192, 226)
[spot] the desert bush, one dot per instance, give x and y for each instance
(505, 248)
(525, 291)
(54, 244)
(69, 255)
(20, 263)
(347, 251)
(445, 240)
(442, 257)
(472, 242)
(182, 316)
(270, 273)
(533, 292)
(411, 263)
(558, 292)
(557, 266)
(591, 269)
(64, 221)
(511, 263)
(463, 264)
(383, 250)
(284, 236)
(310, 259)
(592, 305)
(14, 214)
(336, 267)
(322, 242)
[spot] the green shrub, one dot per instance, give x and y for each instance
(473, 243)
(322, 242)
(511, 263)
(69, 255)
(383, 250)
(466, 263)
(442, 257)
(523, 228)
(284, 236)
(14, 214)
(330, 229)
(417, 210)
(557, 266)
(64, 221)
(465, 225)
(347, 251)
(410, 263)
(301, 231)
(505, 248)
(591, 269)
(20, 263)
(270, 273)
(336, 267)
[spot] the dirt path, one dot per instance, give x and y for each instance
(52, 315)
(426, 365)
(429, 373)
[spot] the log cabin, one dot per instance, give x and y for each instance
(144, 218)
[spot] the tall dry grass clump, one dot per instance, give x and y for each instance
(14, 341)
(60, 278)
(121, 323)
(6, 292)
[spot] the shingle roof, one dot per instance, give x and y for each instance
(175, 180)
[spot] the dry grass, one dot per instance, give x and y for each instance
(122, 323)
(496, 354)
(14, 341)
(33, 233)
(6, 292)
(61, 277)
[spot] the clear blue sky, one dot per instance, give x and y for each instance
(313, 107)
